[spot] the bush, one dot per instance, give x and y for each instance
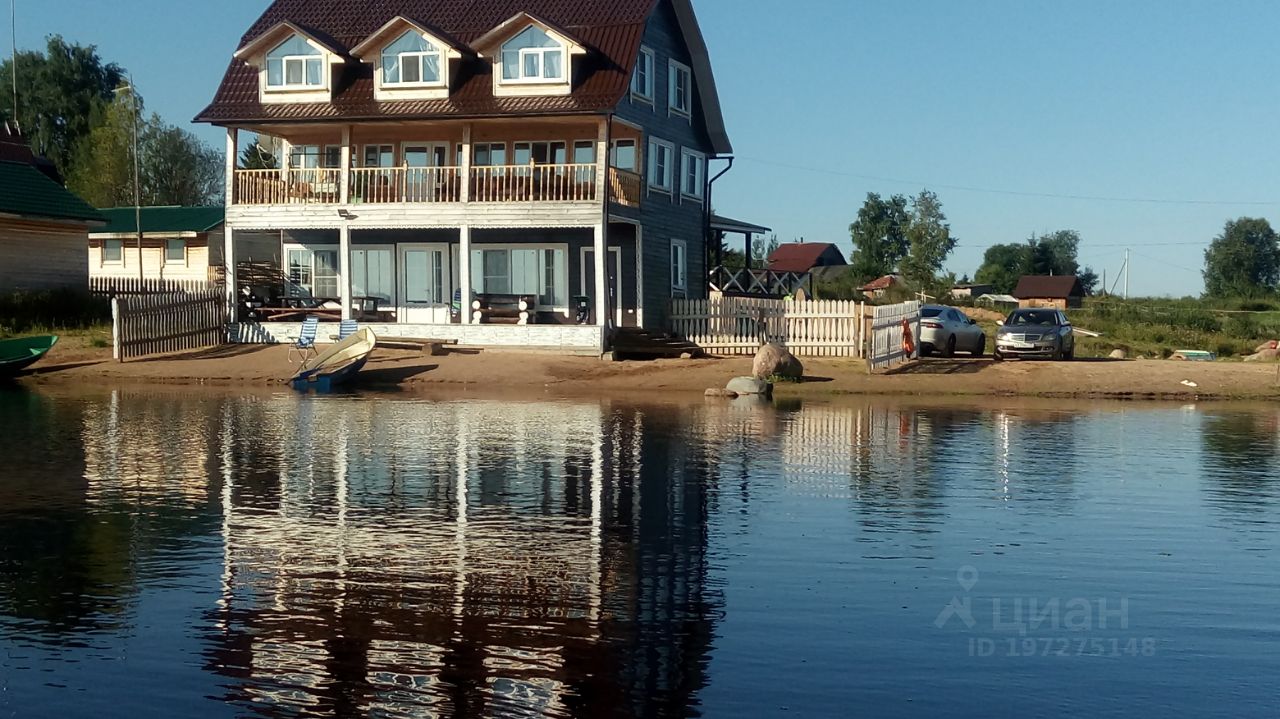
(52, 310)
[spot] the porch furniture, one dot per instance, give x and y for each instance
(306, 344)
(345, 329)
(508, 309)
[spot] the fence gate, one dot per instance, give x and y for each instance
(157, 324)
(889, 326)
(739, 325)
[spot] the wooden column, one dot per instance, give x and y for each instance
(466, 170)
(344, 193)
(228, 233)
(464, 271)
(603, 316)
(344, 265)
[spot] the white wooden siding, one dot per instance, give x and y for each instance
(435, 215)
(42, 255)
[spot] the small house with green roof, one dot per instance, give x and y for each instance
(43, 226)
(178, 243)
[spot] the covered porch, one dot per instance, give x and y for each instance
(528, 287)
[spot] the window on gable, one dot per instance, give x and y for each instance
(692, 173)
(412, 60)
(661, 165)
(679, 88)
(294, 64)
(533, 56)
(642, 80)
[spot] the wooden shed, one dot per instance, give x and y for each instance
(1061, 292)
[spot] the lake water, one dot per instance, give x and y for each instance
(182, 554)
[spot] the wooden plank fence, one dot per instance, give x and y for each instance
(885, 348)
(739, 325)
(158, 324)
(148, 286)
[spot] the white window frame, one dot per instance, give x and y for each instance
(661, 184)
(647, 60)
(673, 70)
(313, 249)
(418, 56)
(541, 52)
(560, 275)
(699, 161)
(285, 85)
(113, 263)
(679, 267)
(186, 254)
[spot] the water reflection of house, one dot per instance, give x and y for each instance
(463, 559)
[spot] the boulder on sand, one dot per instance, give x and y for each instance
(750, 386)
(1267, 346)
(1118, 354)
(1267, 355)
(774, 360)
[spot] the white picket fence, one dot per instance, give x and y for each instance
(739, 325)
(148, 286)
(889, 325)
(158, 324)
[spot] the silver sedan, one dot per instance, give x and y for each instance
(948, 330)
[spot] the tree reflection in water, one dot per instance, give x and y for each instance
(1241, 457)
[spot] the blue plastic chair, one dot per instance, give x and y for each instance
(306, 344)
(347, 328)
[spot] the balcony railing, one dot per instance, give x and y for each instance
(285, 187)
(533, 183)
(419, 185)
(625, 187)
(406, 184)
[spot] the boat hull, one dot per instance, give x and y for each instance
(338, 366)
(17, 355)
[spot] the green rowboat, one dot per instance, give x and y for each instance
(17, 355)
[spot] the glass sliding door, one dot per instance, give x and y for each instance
(312, 273)
(425, 290)
(373, 275)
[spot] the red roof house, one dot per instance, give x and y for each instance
(802, 257)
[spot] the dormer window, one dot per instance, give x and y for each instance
(533, 56)
(412, 61)
(295, 64)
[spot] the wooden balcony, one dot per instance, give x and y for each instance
(575, 183)
(625, 187)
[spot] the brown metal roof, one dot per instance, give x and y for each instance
(802, 256)
(610, 29)
(1058, 287)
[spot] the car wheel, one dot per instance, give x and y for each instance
(1069, 354)
(926, 350)
(997, 356)
(951, 347)
(981, 347)
(1057, 353)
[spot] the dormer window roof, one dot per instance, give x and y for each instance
(295, 63)
(412, 61)
(533, 56)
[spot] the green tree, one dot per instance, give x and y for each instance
(761, 249)
(929, 241)
(175, 167)
(1002, 265)
(879, 236)
(60, 93)
(179, 169)
(1243, 261)
(259, 156)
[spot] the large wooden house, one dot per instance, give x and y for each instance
(439, 157)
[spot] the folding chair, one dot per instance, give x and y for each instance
(306, 344)
(347, 328)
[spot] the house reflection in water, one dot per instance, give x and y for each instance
(459, 559)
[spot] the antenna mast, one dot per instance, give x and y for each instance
(13, 62)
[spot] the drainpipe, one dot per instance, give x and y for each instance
(706, 220)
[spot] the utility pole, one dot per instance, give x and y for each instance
(1126, 275)
(13, 16)
(137, 173)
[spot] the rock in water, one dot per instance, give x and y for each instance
(774, 360)
(750, 386)
(713, 392)
(1118, 355)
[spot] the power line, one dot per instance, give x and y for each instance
(1013, 193)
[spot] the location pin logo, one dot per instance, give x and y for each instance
(968, 577)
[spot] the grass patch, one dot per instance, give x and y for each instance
(1159, 327)
(64, 312)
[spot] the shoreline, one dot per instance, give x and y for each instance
(497, 373)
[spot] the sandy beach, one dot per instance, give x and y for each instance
(494, 372)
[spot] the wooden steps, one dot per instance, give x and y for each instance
(632, 343)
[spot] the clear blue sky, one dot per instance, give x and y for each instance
(827, 100)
